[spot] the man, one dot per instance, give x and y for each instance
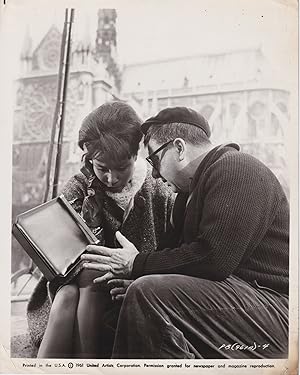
(223, 291)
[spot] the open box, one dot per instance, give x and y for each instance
(54, 235)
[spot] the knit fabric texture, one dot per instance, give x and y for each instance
(236, 222)
(144, 226)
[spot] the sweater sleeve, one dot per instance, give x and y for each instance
(239, 204)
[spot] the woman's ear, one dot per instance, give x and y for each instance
(180, 147)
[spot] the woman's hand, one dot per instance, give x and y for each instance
(118, 288)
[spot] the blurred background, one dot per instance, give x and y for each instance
(234, 64)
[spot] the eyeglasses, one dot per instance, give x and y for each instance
(154, 161)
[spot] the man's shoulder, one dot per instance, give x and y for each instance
(239, 165)
(228, 162)
(231, 155)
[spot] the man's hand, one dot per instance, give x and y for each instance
(116, 263)
(118, 288)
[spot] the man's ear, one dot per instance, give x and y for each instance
(180, 147)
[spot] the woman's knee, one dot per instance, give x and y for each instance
(66, 298)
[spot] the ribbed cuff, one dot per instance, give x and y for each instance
(138, 265)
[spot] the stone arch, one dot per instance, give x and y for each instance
(207, 110)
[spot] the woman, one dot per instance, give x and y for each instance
(113, 192)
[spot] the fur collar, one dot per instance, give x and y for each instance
(126, 196)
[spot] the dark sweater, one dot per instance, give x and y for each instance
(237, 222)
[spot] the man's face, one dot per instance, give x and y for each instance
(166, 165)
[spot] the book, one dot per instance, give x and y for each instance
(54, 235)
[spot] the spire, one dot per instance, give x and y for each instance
(27, 45)
(86, 40)
(106, 44)
(106, 39)
(82, 47)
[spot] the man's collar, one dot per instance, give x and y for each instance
(206, 157)
(231, 144)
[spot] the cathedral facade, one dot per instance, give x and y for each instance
(234, 90)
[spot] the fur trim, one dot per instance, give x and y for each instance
(124, 198)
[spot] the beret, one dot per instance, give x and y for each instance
(177, 114)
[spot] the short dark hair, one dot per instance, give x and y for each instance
(166, 132)
(112, 131)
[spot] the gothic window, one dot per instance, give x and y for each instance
(19, 96)
(234, 110)
(46, 56)
(38, 110)
(252, 133)
(207, 111)
(50, 54)
(282, 107)
(269, 156)
(39, 105)
(257, 109)
(80, 91)
(275, 126)
(256, 112)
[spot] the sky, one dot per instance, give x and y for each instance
(153, 29)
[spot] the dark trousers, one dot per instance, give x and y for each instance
(175, 316)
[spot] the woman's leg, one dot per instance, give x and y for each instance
(57, 341)
(96, 319)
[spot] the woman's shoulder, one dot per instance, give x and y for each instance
(77, 183)
(78, 179)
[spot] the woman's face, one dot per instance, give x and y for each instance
(114, 176)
